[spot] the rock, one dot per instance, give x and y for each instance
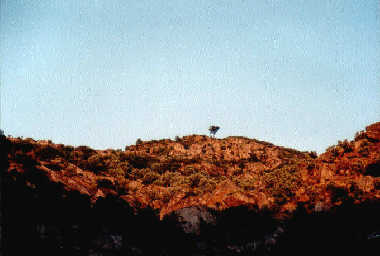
(190, 218)
(232, 206)
(366, 183)
(373, 131)
(326, 173)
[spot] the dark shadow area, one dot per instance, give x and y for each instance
(344, 231)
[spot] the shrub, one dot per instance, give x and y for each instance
(122, 186)
(313, 154)
(150, 177)
(360, 135)
(194, 179)
(245, 183)
(167, 179)
(253, 157)
(188, 170)
(101, 162)
(117, 172)
(136, 174)
(333, 150)
(138, 162)
(347, 147)
(86, 151)
(167, 196)
(104, 183)
(158, 167)
(282, 183)
(207, 184)
(67, 150)
(48, 152)
(55, 165)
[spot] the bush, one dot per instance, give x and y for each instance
(67, 151)
(333, 150)
(138, 162)
(105, 183)
(245, 183)
(346, 145)
(48, 152)
(282, 183)
(194, 179)
(313, 154)
(158, 167)
(189, 170)
(360, 135)
(136, 174)
(86, 151)
(207, 184)
(150, 177)
(117, 172)
(169, 179)
(102, 162)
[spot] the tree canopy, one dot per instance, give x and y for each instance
(213, 129)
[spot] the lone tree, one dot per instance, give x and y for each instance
(213, 129)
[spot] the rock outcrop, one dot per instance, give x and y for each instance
(193, 196)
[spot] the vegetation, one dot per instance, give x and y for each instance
(198, 166)
(282, 183)
(213, 130)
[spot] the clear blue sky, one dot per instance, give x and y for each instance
(301, 74)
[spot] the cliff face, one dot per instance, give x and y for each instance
(195, 195)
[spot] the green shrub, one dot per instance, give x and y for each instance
(194, 179)
(135, 174)
(150, 177)
(313, 154)
(168, 179)
(138, 162)
(282, 183)
(189, 170)
(48, 152)
(101, 162)
(86, 151)
(245, 183)
(346, 145)
(334, 150)
(158, 167)
(117, 172)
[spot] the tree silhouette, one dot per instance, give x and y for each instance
(213, 129)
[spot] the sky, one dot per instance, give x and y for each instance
(300, 74)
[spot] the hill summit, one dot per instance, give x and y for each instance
(197, 170)
(195, 178)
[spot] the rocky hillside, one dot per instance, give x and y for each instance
(188, 181)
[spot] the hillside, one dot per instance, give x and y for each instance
(167, 177)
